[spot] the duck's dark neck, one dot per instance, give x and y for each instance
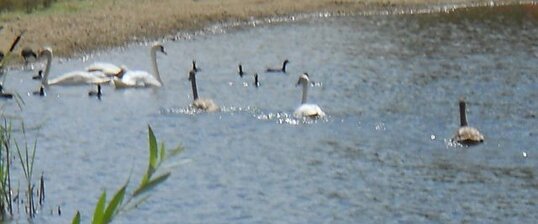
(256, 83)
(463, 116)
(192, 77)
(284, 66)
(241, 73)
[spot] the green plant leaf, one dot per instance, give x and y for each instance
(174, 152)
(99, 210)
(163, 153)
(152, 148)
(112, 207)
(76, 219)
(151, 184)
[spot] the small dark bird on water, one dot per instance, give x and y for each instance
(241, 73)
(3, 94)
(39, 75)
(465, 134)
(40, 92)
(283, 69)
(256, 83)
(97, 93)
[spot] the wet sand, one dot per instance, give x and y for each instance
(100, 24)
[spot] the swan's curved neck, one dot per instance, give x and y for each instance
(284, 66)
(154, 64)
(193, 83)
(305, 92)
(44, 80)
(463, 116)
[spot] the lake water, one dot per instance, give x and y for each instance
(390, 85)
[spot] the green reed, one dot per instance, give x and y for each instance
(26, 156)
(122, 201)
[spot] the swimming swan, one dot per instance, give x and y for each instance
(205, 104)
(467, 135)
(283, 69)
(109, 69)
(307, 110)
(133, 79)
(70, 78)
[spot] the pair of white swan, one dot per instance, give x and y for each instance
(70, 78)
(101, 73)
(306, 109)
(465, 134)
(134, 79)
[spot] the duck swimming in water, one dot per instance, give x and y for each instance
(465, 134)
(283, 69)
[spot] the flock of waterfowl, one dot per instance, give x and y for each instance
(100, 73)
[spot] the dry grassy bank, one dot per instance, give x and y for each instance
(72, 27)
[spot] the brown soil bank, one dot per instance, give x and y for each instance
(82, 26)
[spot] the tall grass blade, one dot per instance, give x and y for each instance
(113, 206)
(153, 156)
(99, 209)
(151, 184)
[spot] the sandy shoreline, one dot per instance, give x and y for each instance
(101, 24)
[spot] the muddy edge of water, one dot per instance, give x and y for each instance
(103, 24)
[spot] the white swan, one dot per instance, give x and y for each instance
(109, 69)
(307, 110)
(133, 79)
(467, 135)
(205, 104)
(70, 78)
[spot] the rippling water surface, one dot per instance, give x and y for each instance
(389, 84)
